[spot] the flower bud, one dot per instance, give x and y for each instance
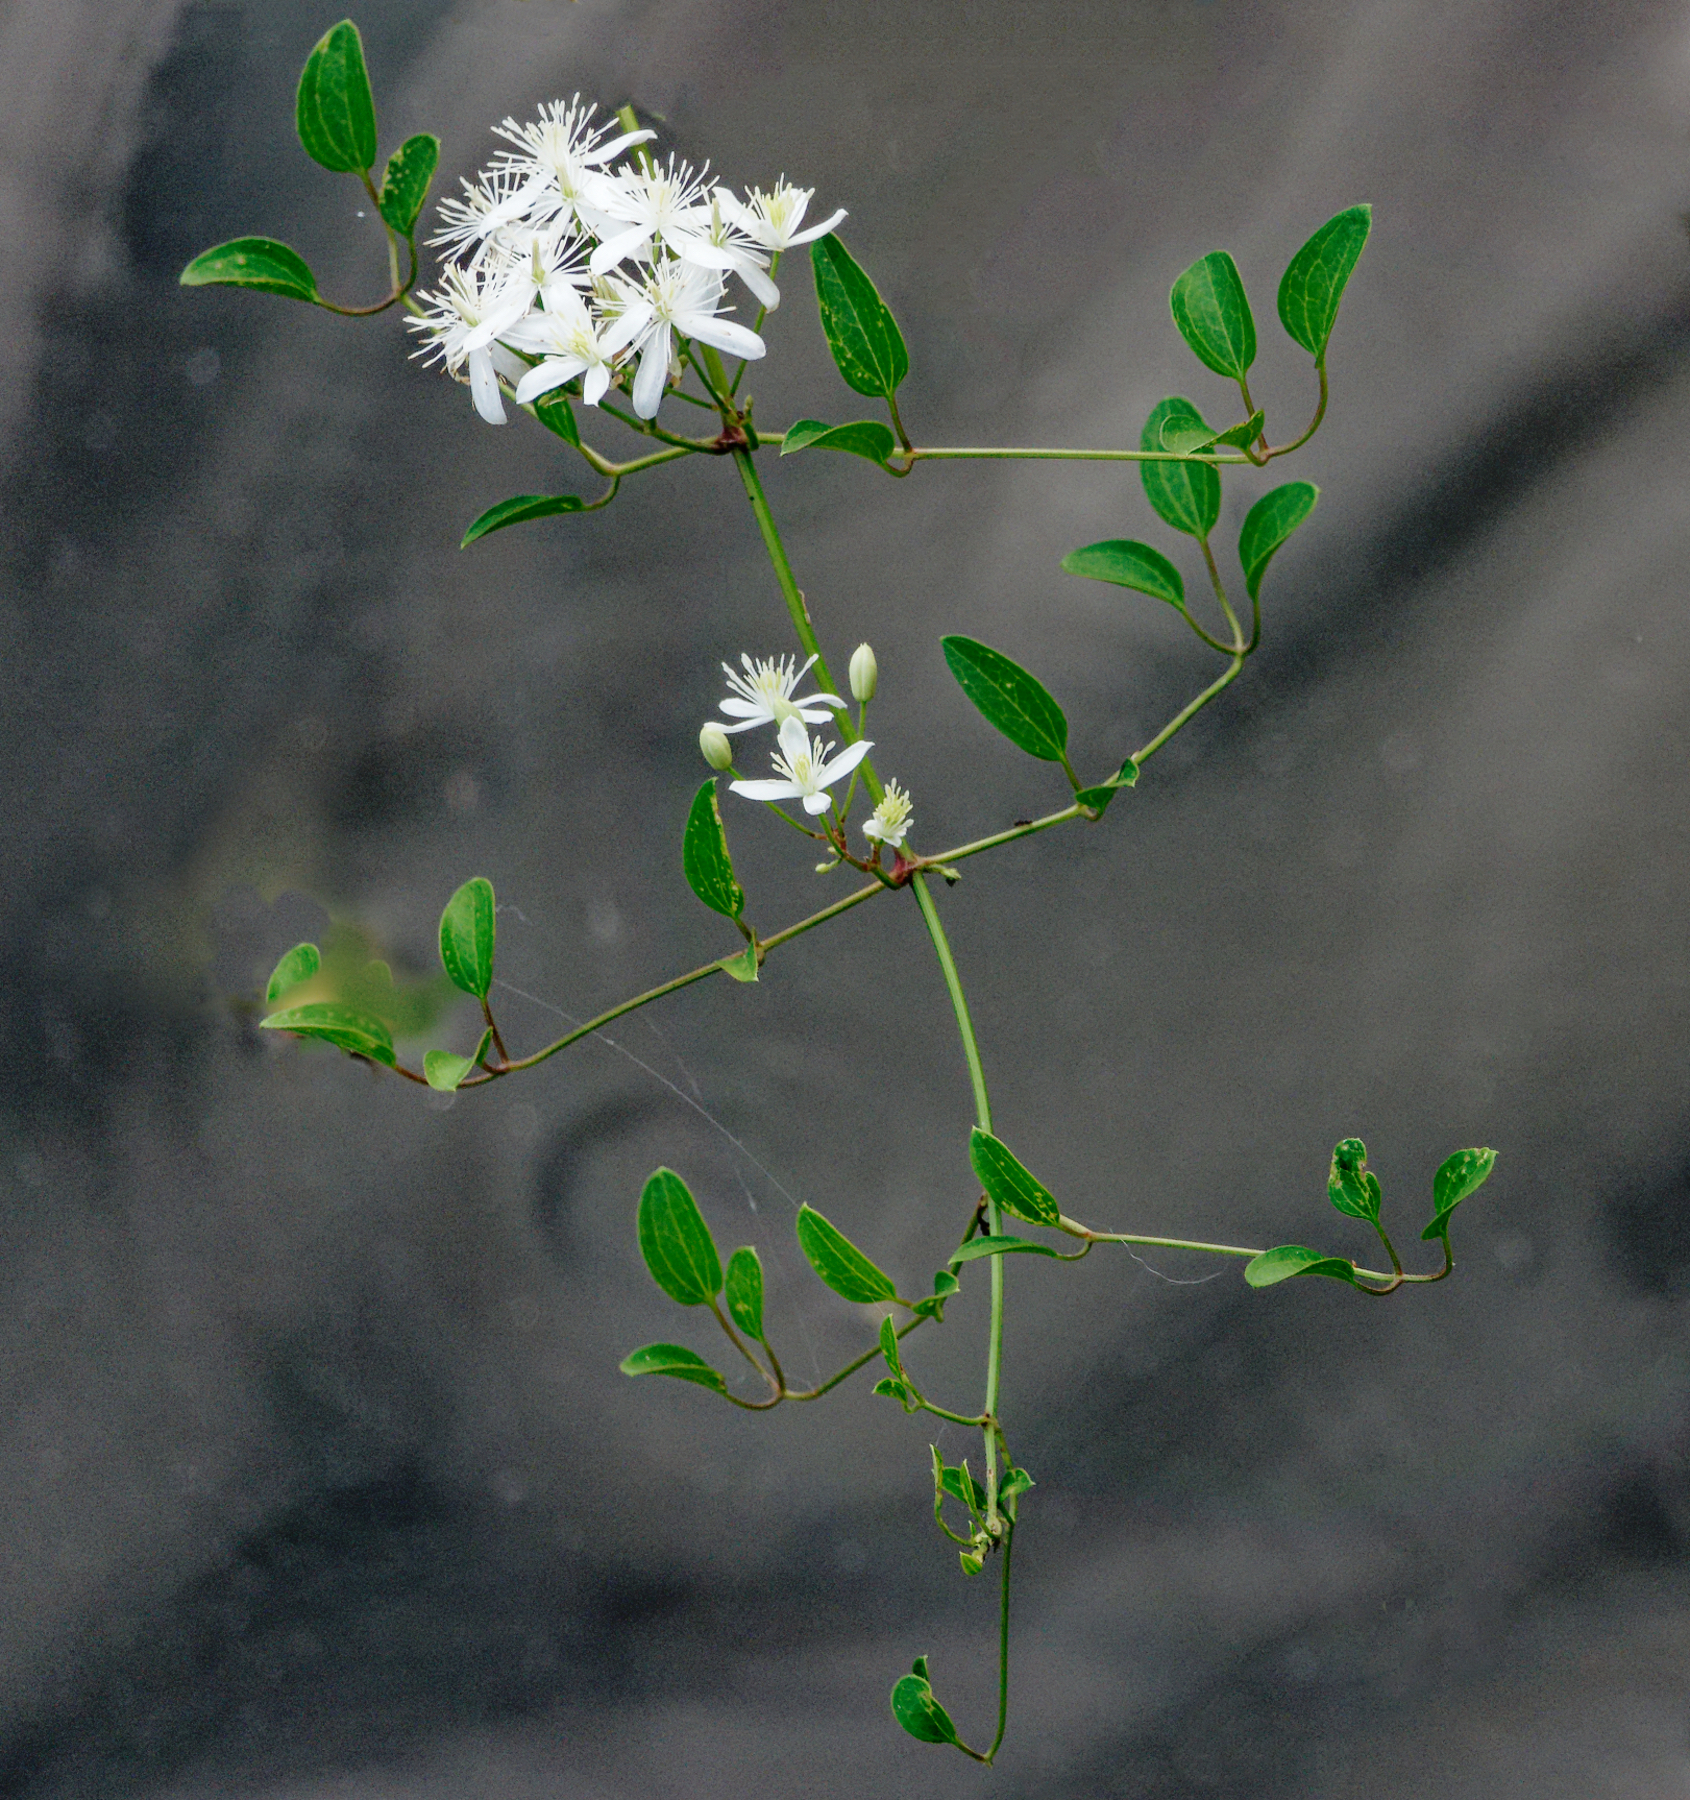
(865, 672)
(713, 745)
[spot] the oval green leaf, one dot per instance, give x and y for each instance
(1129, 564)
(1269, 523)
(1460, 1175)
(862, 437)
(466, 937)
(1008, 1182)
(975, 1248)
(914, 1707)
(443, 1071)
(675, 1241)
(404, 185)
(300, 964)
(865, 340)
(1314, 282)
(705, 860)
(1292, 1259)
(839, 1263)
(743, 1291)
(335, 112)
(1008, 697)
(253, 262)
(519, 510)
(344, 1026)
(676, 1360)
(1185, 495)
(1213, 314)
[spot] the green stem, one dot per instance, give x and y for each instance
(1314, 423)
(851, 1368)
(1003, 1641)
(1191, 709)
(1020, 455)
(1215, 582)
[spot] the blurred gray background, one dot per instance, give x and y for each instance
(319, 1477)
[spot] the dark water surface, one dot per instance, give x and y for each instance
(319, 1476)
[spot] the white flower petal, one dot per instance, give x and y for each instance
(722, 334)
(816, 803)
(772, 790)
(816, 231)
(743, 709)
(767, 293)
(619, 248)
(846, 760)
(794, 739)
(594, 387)
(484, 388)
(654, 371)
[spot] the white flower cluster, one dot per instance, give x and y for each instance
(560, 266)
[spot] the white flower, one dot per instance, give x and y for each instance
(543, 267)
(453, 315)
(497, 199)
(763, 694)
(562, 153)
(572, 342)
(865, 674)
(661, 203)
(891, 819)
(677, 296)
(746, 261)
(804, 768)
(773, 219)
(714, 747)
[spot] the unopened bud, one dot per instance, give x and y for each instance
(865, 672)
(714, 746)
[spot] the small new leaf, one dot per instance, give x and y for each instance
(1315, 280)
(742, 965)
(865, 340)
(839, 1263)
(519, 509)
(1293, 1259)
(1008, 697)
(344, 1026)
(444, 1071)
(889, 1389)
(889, 1348)
(335, 111)
(705, 860)
(404, 186)
(466, 937)
(1015, 1483)
(676, 1360)
(1185, 495)
(675, 1241)
(914, 1707)
(862, 437)
(977, 1247)
(1461, 1174)
(1008, 1182)
(743, 1291)
(1350, 1188)
(1129, 564)
(300, 964)
(1213, 315)
(1098, 798)
(1269, 523)
(960, 1485)
(253, 262)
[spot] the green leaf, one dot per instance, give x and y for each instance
(1015, 1483)
(1185, 495)
(253, 262)
(1188, 438)
(933, 1307)
(742, 966)
(466, 937)
(355, 1032)
(1292, 1259)
(676, 1243)
(1129, 564)
(914, 1707)
(889, 1348)
(975, 1248)
(861, 332)
(1269, 523)
(1008, 1182)
(1008, 697)
(1098, 797)
(960, 1485)
(676, 1360)
(839, 1263)
(1349, 1186)
(300, 964)
(519, 510)
(743, 1291)
(1213, 315)
(704, 856)
(899, 1391)
(444, 1071)
(335, 111)
(404, 186)
(553, 411)
(1315, 281)
(1461, 1174)
(862, 437)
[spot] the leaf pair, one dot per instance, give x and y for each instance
(348, 1028)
